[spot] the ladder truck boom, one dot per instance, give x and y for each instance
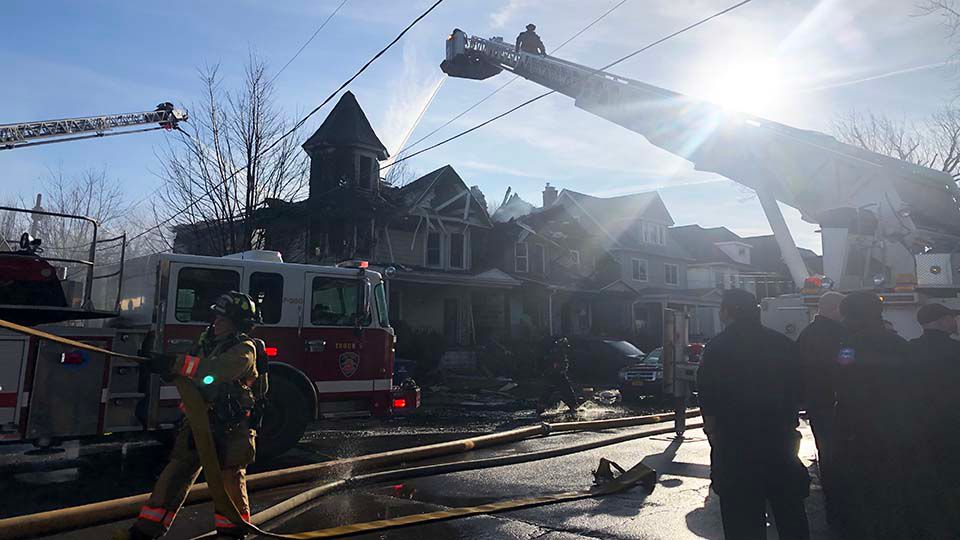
(165, 116)
(875, 212)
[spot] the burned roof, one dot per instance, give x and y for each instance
(346, 125)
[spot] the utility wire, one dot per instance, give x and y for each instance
(298, 124)
(508, 83)
(545, 94)
(304, 46)
(272, 80)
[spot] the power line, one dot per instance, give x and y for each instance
(272, 80)
(511, 81)
(545, 94)
(304, 46)
(299, 123)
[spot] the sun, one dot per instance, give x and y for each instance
(751, 86)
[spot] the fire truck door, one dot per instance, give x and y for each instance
(335, 356)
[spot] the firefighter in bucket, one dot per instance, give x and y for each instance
(223, 364)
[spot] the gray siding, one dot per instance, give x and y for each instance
(656, 269)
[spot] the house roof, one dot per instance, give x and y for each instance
(616, 218)
(434, 187)
(346, 125)
(515, 207)
(765, 256)
(701, 243)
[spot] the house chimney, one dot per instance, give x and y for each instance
(549, 195)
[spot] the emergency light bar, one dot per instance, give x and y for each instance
(353, 264)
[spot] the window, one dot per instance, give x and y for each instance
(537, 261)
(433, 249)
(266, 289)
(333, 301)
(198, 289)
(719, 281)
(383, 314)
(742, 251)
(365, 174)
(639, 270)
(575, 258)
(458, 250)
(672, 276)
(651, 233)
(520, 257)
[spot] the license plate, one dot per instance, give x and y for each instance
(638, 383)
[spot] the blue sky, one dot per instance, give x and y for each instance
(814, 59)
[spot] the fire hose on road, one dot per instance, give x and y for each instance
(125, 508)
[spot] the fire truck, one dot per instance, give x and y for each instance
(327, 336)
(328, 340)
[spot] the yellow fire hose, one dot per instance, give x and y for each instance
(196, 412)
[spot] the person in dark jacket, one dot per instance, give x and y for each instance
(819, 344)
(872, 436)
(530, 42)
(555, 369)
(935, 359)
(749, 381)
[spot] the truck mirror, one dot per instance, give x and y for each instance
(363, 306)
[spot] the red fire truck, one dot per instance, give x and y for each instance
(327, 335)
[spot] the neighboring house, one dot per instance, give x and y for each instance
(639, 270)
(725, 260)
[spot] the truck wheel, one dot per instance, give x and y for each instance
(285, 419)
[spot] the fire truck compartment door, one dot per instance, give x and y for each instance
(12, 353)
(66, 394)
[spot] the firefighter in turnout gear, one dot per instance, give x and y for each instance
(530, 42)
(223, 364)
(555, 377)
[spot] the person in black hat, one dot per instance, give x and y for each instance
(749, 385)
(935, 363)
(530, 42)
(871, 433)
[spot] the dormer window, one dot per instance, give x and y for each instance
(651, 233)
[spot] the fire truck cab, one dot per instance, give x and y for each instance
(327, 336)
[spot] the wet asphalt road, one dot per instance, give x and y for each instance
(681, 506)
(119, 469)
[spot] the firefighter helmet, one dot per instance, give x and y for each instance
(239, 308)
(531, 27)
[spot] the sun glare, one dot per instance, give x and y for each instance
(750, 86)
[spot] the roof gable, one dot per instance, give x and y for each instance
(442, 193)
(346, 125)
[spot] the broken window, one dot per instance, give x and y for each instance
(433, 249)
(575, 258)
(458, 250)
(365, 174)
(520, 255)
(538, 262)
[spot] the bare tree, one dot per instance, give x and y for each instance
(210, 208)
(949, 13)
(933, 142)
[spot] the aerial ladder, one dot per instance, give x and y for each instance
(165, 116)
(878, 215)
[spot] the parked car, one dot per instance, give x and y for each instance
(599, 360)
(645, 378)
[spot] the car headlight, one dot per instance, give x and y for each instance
(658, 375)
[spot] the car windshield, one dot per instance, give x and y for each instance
(624, 348)
(653, 357)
